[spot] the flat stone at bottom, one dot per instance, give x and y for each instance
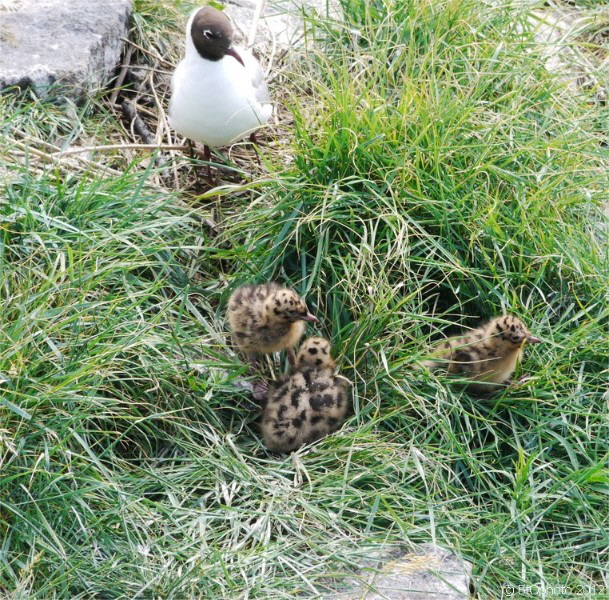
(429, 573)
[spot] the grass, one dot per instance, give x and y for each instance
(434, 175)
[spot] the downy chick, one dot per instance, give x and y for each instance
(308, 403)
(488, 354)
(267, 318)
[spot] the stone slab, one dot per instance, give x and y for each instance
(276, 25)
(558, 31)
(74, 44)
(428, 573)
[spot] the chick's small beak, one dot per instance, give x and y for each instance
(310, 318)
(531, 339)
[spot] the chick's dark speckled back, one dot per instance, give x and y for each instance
(304, 407)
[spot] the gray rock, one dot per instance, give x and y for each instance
(557, 31)
(75, 44)
(429, 573)
(280, 24)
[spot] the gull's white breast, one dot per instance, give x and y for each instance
(218, 102)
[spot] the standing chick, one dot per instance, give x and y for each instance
(267, 318)
(307, 404)
(218, 92)
(488, 354)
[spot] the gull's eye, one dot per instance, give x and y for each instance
(208, 34)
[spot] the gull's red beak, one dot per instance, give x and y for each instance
(235, 54)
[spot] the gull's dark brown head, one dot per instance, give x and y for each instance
(287, 306)
(212, 34)
(512, 330)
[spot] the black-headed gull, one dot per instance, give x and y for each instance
(218, 91)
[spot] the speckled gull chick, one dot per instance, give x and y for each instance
(308, 403)
(487, 355)
(267, 318)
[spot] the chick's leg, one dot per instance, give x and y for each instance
(291, 357)
(260, 388)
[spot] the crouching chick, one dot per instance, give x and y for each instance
(487, 355)
(308, 403)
